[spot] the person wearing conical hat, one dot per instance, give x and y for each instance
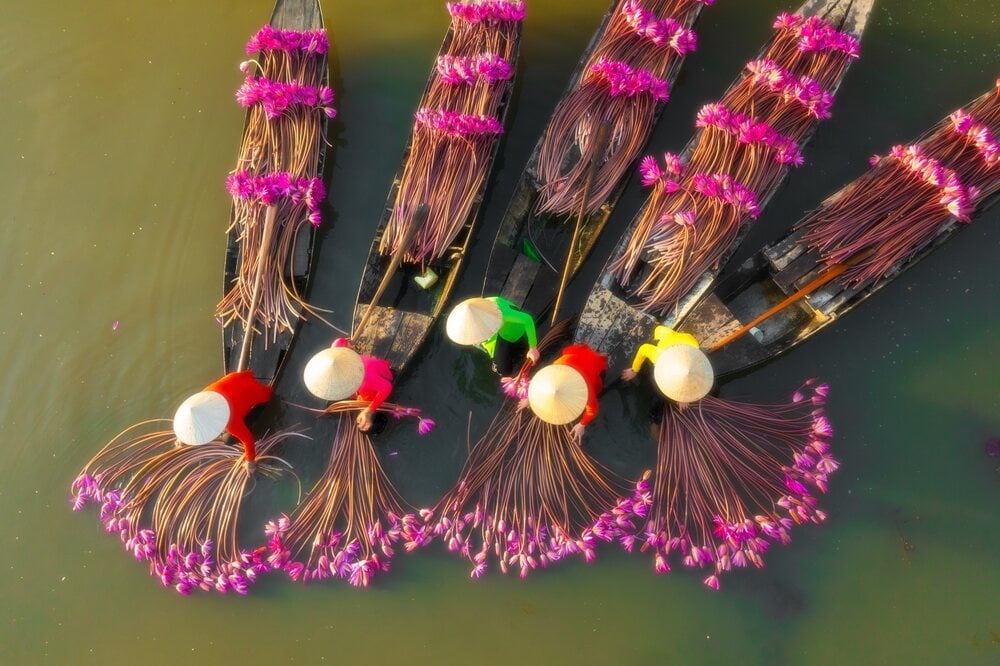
(374, 386)
(681, 370)
(496, 326)
(568, 389)
(222, 407)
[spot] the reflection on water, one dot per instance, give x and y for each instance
(118, 128)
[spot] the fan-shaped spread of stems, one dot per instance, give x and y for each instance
(909, 195)
(286, 106)
(745, 145)
(456, 128)
(627, 75)
(178, 506)
(349, 524)
(730, 480)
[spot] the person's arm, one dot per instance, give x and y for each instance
(590, 411)
(382, 386)
(238, 429)
(525, 322)
(647, 352)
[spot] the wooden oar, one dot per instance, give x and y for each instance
(265, 247)
(816, 283)
(417, 221)
(600, 143)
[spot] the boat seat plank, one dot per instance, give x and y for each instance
(519, 282)
(411, 330)
(710, 321)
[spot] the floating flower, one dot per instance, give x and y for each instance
(276, 97)
(308, 41)
(622, 79)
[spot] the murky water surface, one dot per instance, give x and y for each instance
(118, 126)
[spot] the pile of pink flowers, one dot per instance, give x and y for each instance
(815, 34)
(269, 39)
(650, 171)
(728, 190)
(534, 546)
(750, 131)
(802, 89)
(622, 79)
(183, 571)
(271, 187)
(276, 96)
(662, 32)
(978, 133)
(339, 558)
(458, 124)
(955, 197)
(459, 70)
(491, 10)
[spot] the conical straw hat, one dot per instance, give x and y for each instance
(201, 418)
(335, 373)
(557, 394)
(474, 320)
(683, 373)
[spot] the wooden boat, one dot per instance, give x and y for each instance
(405, 312)
(530, 249)
(776, 273)
(612, 324)
(269, 349)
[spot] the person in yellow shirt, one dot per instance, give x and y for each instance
(681, 370)
(664, 337)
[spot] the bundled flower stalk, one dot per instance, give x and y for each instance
(745, 145)
(623, 82)
(456, 128)
(177, 506)
(352, 520)
(731, 479)
(909, 195)
(288, 103)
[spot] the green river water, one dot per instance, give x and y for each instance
(117, 128)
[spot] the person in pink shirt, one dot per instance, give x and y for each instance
(375, 388)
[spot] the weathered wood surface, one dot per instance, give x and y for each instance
(418, 309)
(267, 352)
(847, 15)
(520, 221)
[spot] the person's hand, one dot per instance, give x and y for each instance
(365, 420)
(578, 432)
(534, 355)
(628, 374)
(522, 404)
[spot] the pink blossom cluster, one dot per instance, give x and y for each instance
(728, 190)
(340, 557)
(269, 39)
(662, 32)
(957, 199)
(458, 124)
(651, 173)
(738, 541)
(476, 534)
(750, 131)
(183, 571)
(515, 387)
(487, 10)
(271, 187)
(978, 133)
(622, 79)
(276, 96)
(460, 70)
(815, 34)
(801, 89)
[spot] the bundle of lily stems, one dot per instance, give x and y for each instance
(350, 523)
(623, 82)
(278, 166)
(456, 127)
(745, 145)
(901, 204)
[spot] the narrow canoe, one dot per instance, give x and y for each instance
(268, 349)
(405, 312)
(611, 323)
(530, 249)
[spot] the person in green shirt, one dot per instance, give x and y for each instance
(498, 327)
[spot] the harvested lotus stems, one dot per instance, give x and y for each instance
(456, 127)
(278, 164)
(902, 203)
(623, 82)
(746, 144)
